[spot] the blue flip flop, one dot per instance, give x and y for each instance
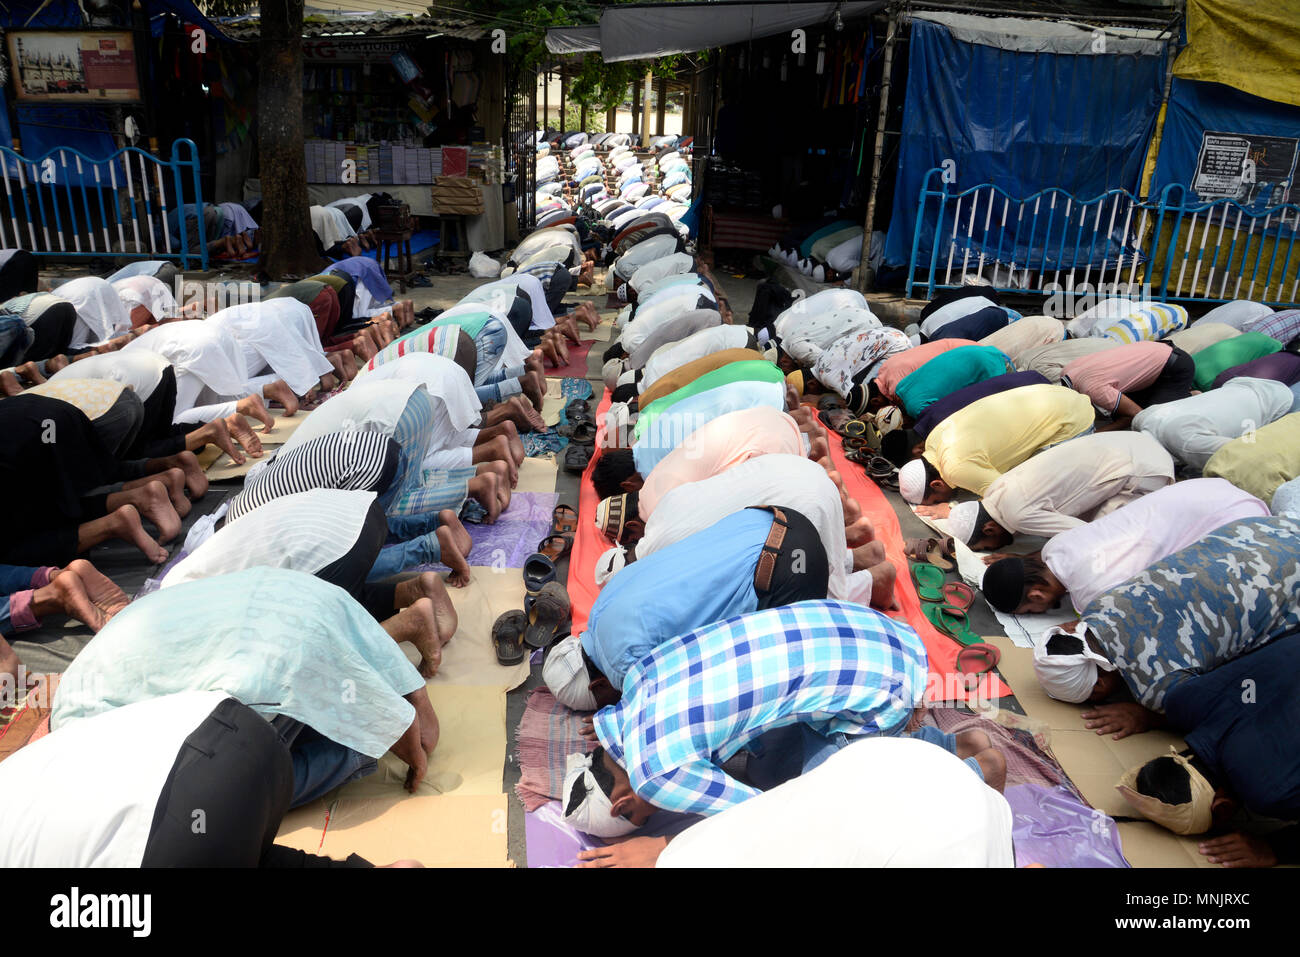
(538, 571)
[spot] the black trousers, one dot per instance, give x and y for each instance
(1175, 382)
(225, 797)
(802, 571)
(53, 331)
(349, 571)
(158, 436)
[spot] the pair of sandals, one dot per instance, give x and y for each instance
(580, 429)
(544, 619)
(557, 544)
(946, 606)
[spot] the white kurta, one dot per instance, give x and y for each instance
(1194, 428)
(880, 802)
(100, 313)
(275, 333)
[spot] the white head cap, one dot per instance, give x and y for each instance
(566, 675)
(961, 521)
(1068, 676)
(610, 373)
(911, 481)
(586, 806)
(610, 561)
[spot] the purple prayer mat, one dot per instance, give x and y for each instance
(1053, 828)
(552, 843)
(514, 537)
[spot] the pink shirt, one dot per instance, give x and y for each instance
(897, 367)
(715, 447)
(1105, 376)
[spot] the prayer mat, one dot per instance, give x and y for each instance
(553, 843)
(509, 542)
(1054, 828)
(221, 468)
(1024, 745)
(577, 364)
(942, 650)
(547, 734)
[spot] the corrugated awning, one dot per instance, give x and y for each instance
(319, 23)
(644, 31)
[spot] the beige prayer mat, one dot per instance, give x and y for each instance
(221, 468)
(1095, 763)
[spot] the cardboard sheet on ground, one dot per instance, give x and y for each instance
(468, 659)
(1021, 629)
(942, 650)
(439, 830)
(221, 468)
(1095, 762)
(471, 743)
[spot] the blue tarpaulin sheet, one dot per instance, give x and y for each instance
(1219, 121)
(1025, 121)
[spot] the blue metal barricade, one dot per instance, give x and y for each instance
(1172, 249)
(130, 205)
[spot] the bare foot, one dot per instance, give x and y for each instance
(487, 491)
(417, 624)
(30, 372)
(534, 386)
(363, 348)
(66, 594)
(9, 661)
(196, 480)
(868, 555)
(101, 590)
(173, 479)
(246, 437)
(56, 363)
(431, 586)
(125, 523)
(9, 384)
(994, 765)
(859, 532)
(453, 558)
(448, 519)
(535, 362)
(328, 383)
(154, 504)
(410, 749)
(428, 720)
(253, 407)
(218, 433)
(586, 314)
(279, 391)
(883, 577)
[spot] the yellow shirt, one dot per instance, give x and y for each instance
(975, 445)
(1260, 461)
(92, 396)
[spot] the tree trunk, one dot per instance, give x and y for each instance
(287, 241)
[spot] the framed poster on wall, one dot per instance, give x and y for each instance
(70, 66)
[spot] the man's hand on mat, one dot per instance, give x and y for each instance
(1120, 719)
(588, 729)
(1238, 850)
(632, 852)
(934, 511)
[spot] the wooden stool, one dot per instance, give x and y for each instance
(398, 240)
(448, 224)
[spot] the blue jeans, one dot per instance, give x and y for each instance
(948, 742)
(394, 559)
(783, 753)
(404, 528)
(320, 765)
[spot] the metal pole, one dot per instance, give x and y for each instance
(662, 107)
(866, 279)
(646, 93)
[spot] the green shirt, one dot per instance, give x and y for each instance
(948, 372)
(1214, 359)
(753, 370)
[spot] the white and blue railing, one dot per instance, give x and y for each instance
(130, 205)
(1174, 247)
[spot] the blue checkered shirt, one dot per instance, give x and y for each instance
(697, 700)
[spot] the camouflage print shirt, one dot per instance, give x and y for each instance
(1229, 593)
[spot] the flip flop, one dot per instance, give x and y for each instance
(507, 637)
(555, 547)
(583, 433)
(957, 594)
(953, 622)
(929, 550)
(983, 656)
(548, 615)
(538, 572)
(577, 407)
(564, 520)
(830, 401)
(929, 581)
(834, 419)
(577, 457)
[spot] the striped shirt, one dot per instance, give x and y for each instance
(435, 340)
(353, 461)
(1147, 322)
(699, 699)
(1282, 326)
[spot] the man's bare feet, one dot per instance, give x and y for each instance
(417, 624)
(994, 765)
(279, 391)
(453, 557)
(431, 586)
(883, 577)
(56, 363)
(492, 493)
(534, 386)
(65, 594)
(363, 349)
(30, 372)
(328, 383)
(409, 748)
(535, 362)
(101, 590)
(173, 479)
(153, 503)
(216, 433)
(196, 480)
(124, 523)
(9, 384)
(859, 532)
(244, 435)
(253, 407)
(449, 519)
(868, 555)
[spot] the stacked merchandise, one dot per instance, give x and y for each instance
(457, 195)
(376, 164)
